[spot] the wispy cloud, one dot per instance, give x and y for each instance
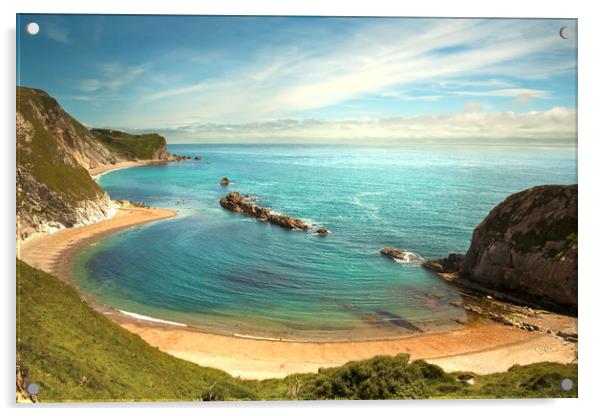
(380, 60)
(55, 32)
(507, 92)
(113, 76)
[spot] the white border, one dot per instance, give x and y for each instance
(589, 184)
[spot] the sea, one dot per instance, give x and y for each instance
(223, 272)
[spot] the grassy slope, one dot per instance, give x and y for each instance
(44, 160)
(130, 146)
(76, 354)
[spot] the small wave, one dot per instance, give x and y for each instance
(148, 318)
(362, 204)
(411, 259)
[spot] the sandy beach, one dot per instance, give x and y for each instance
(101, 170)
(482, 346)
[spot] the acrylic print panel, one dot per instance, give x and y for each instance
(295, 208)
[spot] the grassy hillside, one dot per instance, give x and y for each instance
(40, 155)
(131, 146)
(77, 354)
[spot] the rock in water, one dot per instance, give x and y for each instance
(224, 182)
(528, 244)
(322, 231)
(401, 256)
(235, 203)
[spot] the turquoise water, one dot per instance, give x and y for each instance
(228, 273)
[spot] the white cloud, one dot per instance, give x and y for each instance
(558, 123)
(507, 92)
(474, 106)
(495, 83)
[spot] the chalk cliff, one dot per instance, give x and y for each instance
(54, 153)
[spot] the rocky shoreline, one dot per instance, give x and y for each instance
(521, 267)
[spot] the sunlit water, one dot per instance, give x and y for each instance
(228, 273)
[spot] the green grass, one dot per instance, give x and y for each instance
(130, 146)
(397, 378)
(77, 354)
(44, 159)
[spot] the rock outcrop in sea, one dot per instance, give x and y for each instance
(235, 203)
(224, 181)
(526, 246)
(401, 256)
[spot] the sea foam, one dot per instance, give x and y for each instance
(148, 318)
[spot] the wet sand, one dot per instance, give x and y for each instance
(482, 346)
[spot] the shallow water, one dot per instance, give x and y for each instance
(228, 273)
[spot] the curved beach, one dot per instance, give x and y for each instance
(482, 346)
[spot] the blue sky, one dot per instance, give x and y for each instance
(197, 78)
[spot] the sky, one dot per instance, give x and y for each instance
(200, 79)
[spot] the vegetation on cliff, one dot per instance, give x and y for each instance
(41, 156)
(133, 146)
(53, 188)
(77, 354)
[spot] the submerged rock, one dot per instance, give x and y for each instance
(322, 231)
(402, 256)
(224, 181)
(197, 158)
(235, 203)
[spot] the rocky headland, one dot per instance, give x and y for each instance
(525, 249)
(55, 155)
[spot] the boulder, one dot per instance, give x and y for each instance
(322, 231)
(224, 181)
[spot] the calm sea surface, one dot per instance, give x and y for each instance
(231, 274)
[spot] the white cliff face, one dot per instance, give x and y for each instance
(43, 211)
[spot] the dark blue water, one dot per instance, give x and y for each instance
(227, 273)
